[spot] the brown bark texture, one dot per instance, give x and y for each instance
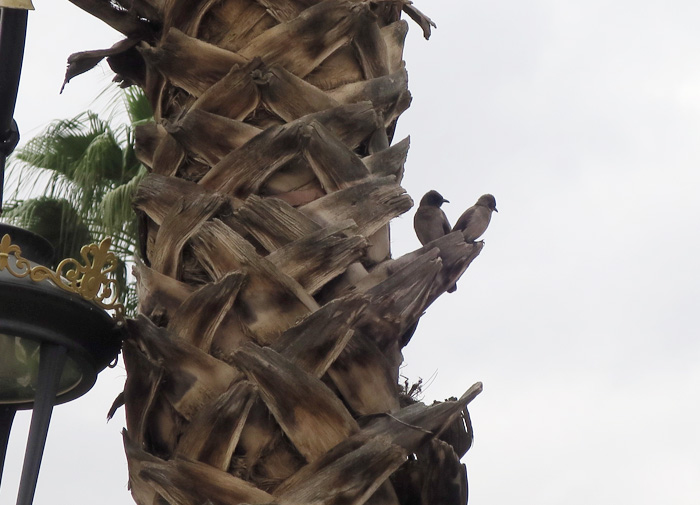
(264, 364)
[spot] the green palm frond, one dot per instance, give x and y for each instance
(62, 144)
(98, 169)
(137, 106)
(86, 170)
(115, 210)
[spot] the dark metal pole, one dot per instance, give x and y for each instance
(7, 415)
(51, 361)
(13, 31)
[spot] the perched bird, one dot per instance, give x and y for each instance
(430, 222)
(474, 221)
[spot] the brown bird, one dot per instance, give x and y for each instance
(430, 222)
(474, 221)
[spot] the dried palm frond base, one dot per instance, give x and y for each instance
(264, 366)
(269, 430)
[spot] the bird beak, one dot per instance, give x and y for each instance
(495, 209)
(445, 201)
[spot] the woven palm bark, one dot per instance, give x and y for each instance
(263, 367)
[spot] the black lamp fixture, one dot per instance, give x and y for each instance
(56, 334)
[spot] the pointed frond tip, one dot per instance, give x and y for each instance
(471, 393)
(423, 21)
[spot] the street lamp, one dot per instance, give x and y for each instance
(55, 335)
(55, 332)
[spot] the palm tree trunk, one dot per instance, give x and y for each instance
(263, 367)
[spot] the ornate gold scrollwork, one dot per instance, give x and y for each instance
(89, 280)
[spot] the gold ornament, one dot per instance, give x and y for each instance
(89, 280)
(17, 4)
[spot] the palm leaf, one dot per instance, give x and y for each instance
(61, 145)
(115, 211)
(86, 171)
(137, 105)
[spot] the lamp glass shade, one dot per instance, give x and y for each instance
(19, 370)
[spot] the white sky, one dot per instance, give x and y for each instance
(580, 315)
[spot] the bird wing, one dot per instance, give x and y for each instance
(430, 223)
(464, 219)
(445, 224)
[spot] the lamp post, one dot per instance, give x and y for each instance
(55, 332)
(13, 29)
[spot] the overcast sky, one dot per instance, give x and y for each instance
(580, 315)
